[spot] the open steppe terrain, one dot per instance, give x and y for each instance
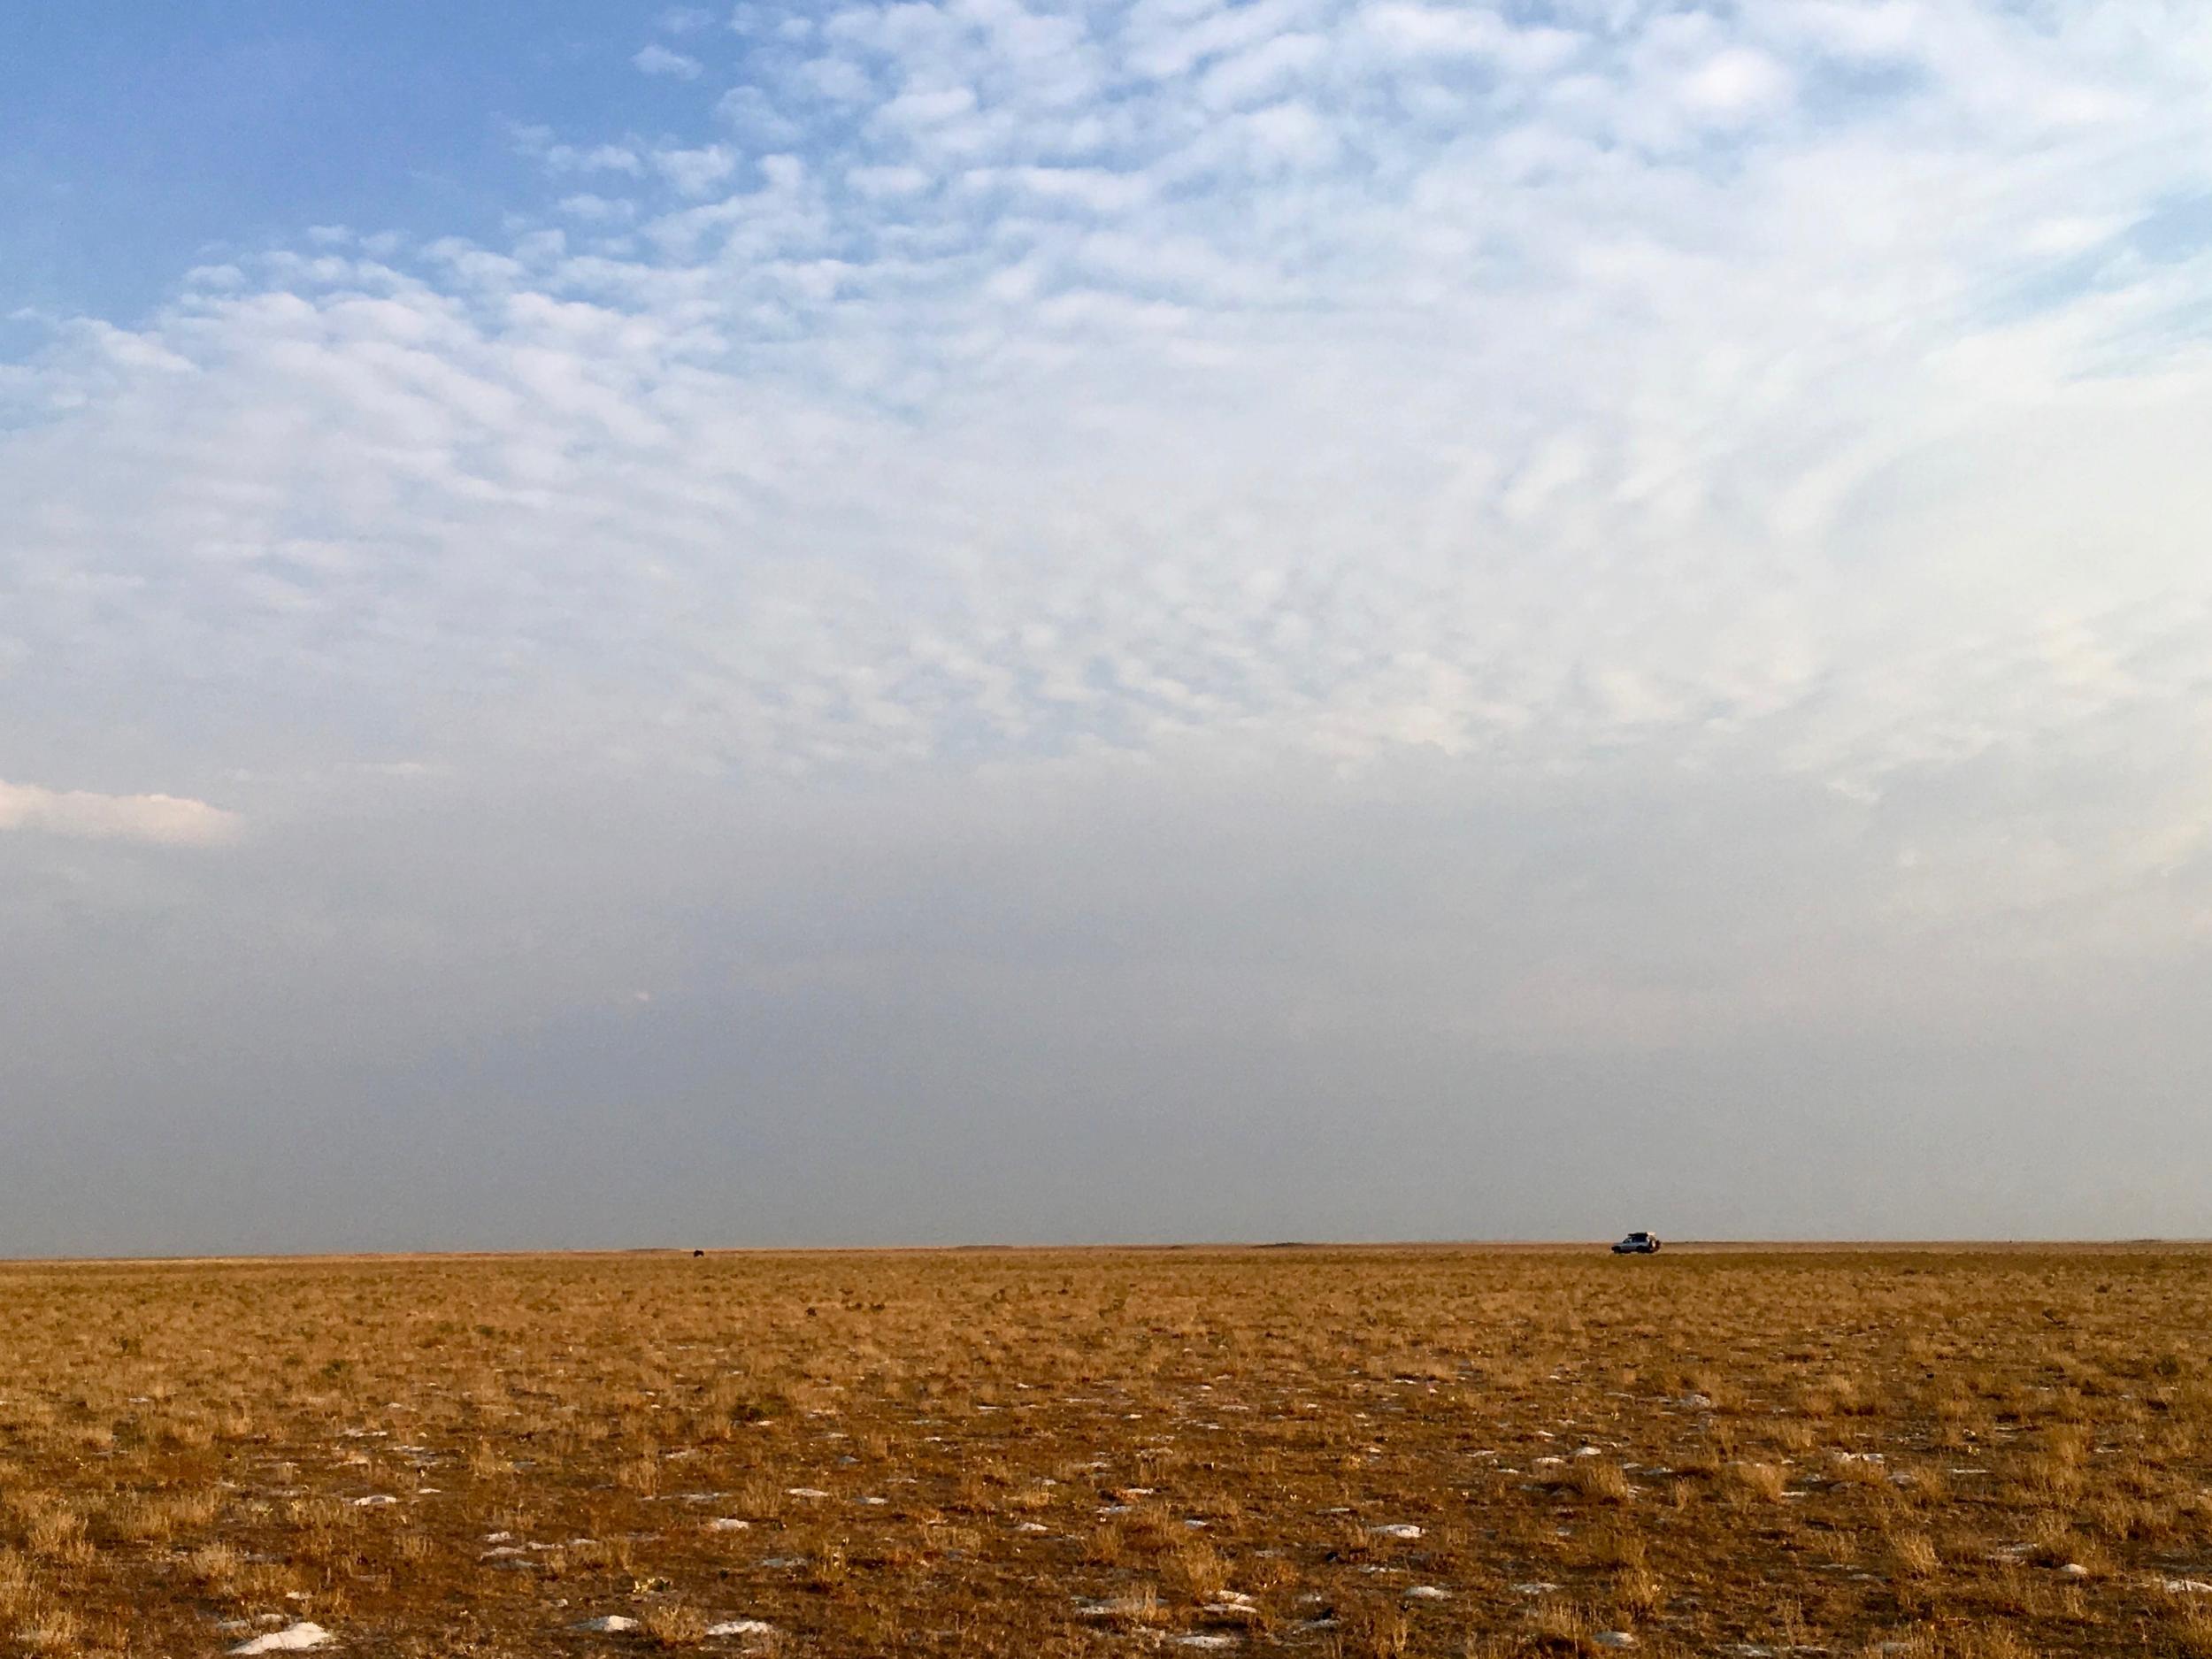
(1310, 1450)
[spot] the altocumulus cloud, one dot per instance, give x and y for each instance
(1357, 547)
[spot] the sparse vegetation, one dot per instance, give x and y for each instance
(1336, 1452)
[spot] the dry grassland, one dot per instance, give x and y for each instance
(1325, 1452)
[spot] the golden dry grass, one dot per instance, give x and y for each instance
(1334, 1452)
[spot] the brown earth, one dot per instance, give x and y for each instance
(1900, 1450)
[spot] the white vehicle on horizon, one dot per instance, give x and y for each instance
(1638, 1244)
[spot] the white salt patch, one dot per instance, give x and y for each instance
(875, 1503)
(2186, 1587)
(804, 1492)
(609, 1623)
(727, 1524)
(374, 1501)
(742, 1627)
(1613, 1638)
(1428, 1593)
(1033, 1526)
(2075, 1570)
(1206, 1638)
(1535, 1586)
(1396, 1529)
(292, 1639)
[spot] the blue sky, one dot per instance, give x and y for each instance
(140, 140)
(1192, 620)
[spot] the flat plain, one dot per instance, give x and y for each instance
(1324, 1451)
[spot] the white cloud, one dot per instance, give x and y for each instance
(887, 181)
(655, 59)
(1859, 30)
(1735, 84)
(925, 106)
(1256, 73)
(1091, 187)
(839, 79)
(1453, 31)
(596, 208)
(162, 820)
(695, 172)
(1291, 132)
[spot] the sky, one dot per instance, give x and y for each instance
(1116, 620)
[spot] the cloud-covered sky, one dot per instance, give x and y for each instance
(1157, 621)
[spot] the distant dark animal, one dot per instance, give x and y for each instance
(695, 1254)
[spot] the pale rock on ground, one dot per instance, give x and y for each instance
(292, 1639)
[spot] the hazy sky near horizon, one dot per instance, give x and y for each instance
(984, 621)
